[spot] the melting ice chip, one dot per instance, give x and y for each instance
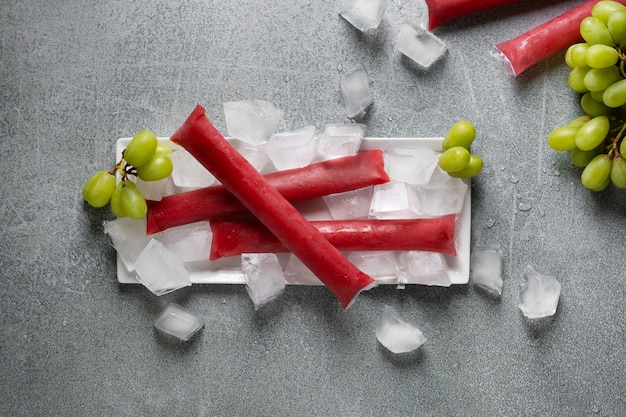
(159, 270)
(353, 204)
(364, 14)
(252, 121)
(424, 268)
(411, 165)
(292, 149)
(419, 45)
(397, 335)
(264, 277)
(128, 237)
(178, 322)
(356, 91)
(394, 200)
(339, 140)
(539, 295)
(487, 268)
(189, 242)
(188, 172)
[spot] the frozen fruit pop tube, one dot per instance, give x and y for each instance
(232, 237)
(442, 11)
(524, 51)
(315, 180)
(198, 136)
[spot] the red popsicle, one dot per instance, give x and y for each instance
(208, 146)
(234, 237)
(526, 50)
(316, 180)
(442, 11)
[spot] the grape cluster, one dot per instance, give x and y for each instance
(456, 159)
(144, 158)
(594, 140)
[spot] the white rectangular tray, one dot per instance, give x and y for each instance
(228, 271)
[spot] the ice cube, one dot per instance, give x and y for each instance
(252, 121)
(178, 322)
(264, 277)
(189, 242)
(364, 14)
(298, 273)
(292, 149)
(153, 190)
(128, 237)
(419, 44)
(394, 200)
(377, 264)
(159, 270)
(356, 91)
(424, 268)
(396, 334)
(487, 268)
(254, 153)
(339, 140)
(539, 295)
(188, 172)
(353, 204)
(442, 196)
(411, 165)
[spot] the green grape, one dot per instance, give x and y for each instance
(618, 172)
(598, 79)
(454, 159)
(563, 138)
(601, 56)
(594, 108)
(592, 133)
(602, 186)
(133, 203)
(141, 148)
(602, 10)
(597, 95)
(462, 133)
(98, 188)
(157, 168)
(575, 55)
(162, 149)
(617, 27)
(622, 147)
(579, 121)
(581, 158)
(596, 172)
(594, 32)
(576, 79)
(472, 169)
(116, 200)
(615, 94)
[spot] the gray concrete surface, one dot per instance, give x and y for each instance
(77, 75)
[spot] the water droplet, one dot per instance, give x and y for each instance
(390, 118)
(557, 172)
(339, 67)
(223, 301)
(524, 204)
(595, 409)
(514, 179)
(490, 223)
(502, 167)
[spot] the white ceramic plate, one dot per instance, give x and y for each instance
(227, 270)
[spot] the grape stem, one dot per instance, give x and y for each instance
(613, 150)
(124, 168)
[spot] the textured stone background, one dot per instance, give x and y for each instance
(77, 75)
